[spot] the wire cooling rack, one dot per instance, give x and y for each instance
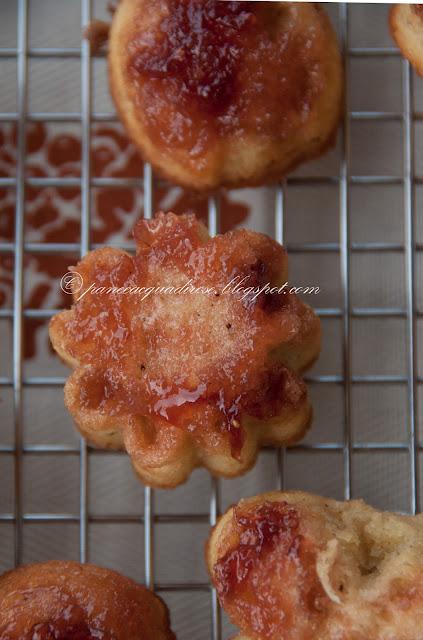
(345, 248)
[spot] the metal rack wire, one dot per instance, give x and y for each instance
(345, 312)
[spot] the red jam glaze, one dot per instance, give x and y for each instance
(259, 530)
(48, 631)
(199, 361)
(71, 625)
(199, 45)
(212, 68)
(267, 582)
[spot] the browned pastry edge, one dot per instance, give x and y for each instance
(406, 25)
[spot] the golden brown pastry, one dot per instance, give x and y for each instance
(294, 566)
(225, 93)
(406, 23)
(181, 378)
(70, 601)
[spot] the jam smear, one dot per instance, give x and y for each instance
(49, 631)
(214, 68)
(200, 46)
(260, 530)
(70, 625)
(267, 581)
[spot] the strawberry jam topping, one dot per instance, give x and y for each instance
(259, 531)
(49, 631)
(71, 624)
(267, 580)
(199, 361)
(205, 69)
(200, 46)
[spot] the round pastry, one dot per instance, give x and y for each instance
(71, 601)
(406, 23)
(294, 566)
(188, 354)
(225, 93)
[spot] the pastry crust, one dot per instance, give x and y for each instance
(187, 379)
(294, 566)
(238, 101)
(70, 600)
(406, 24)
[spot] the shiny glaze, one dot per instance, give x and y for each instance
(62, 631)
(70, 601)
(199, 361)
(259, 530)
(267, 580)
(209, 69)
(72, 623)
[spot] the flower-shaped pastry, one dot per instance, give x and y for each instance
(184, 354)
(294, 566)
(225, 93)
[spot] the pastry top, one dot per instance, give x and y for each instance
(176, 343)
(69, 601)
(215, 54)
(406, 24)
(192, 78)
(293, 566)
